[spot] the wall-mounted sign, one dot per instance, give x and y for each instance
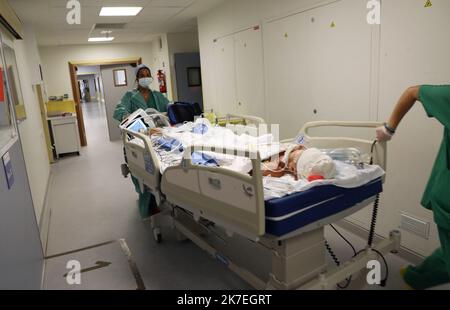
(120, 77)
(194, 77)
(7, 165)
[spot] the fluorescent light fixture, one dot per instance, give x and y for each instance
(101, 39)
(120, 10)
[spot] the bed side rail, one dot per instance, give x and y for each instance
(247, 119)
(231, 199)
(142, 160)
(365, 145)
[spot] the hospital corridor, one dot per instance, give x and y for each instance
(98, 215)
(224, 151)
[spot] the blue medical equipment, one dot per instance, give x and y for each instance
(202, 159)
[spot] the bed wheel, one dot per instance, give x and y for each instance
(157, 235)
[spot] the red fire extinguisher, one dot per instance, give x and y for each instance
(162, 82)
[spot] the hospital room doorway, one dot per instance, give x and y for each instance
(89, 88)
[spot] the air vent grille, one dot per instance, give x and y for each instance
(106, 26)
(416, 226)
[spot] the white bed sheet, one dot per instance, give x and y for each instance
(348, 176)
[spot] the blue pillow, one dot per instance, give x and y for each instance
(201, 159)
(200, 129)
(170, 144)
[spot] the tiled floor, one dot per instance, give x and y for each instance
(92, 203)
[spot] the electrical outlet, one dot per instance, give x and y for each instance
(414, 225)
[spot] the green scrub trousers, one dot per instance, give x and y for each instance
(147, 201)
(130, 102)
(435, 270)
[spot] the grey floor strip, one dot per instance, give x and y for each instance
(132, 264)
(126, 251)
(82, 249)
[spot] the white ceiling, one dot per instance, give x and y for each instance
(158, 16)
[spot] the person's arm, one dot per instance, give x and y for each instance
(122, 109)
(405, 103)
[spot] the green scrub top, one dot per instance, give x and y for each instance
(133, 100)
(436, 101)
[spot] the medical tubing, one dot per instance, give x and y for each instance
(376, 204)
(338, 263)
(373, 222)
(370, 238)
(383, 282)
(371, 151)
(332, 254)
(343, 238)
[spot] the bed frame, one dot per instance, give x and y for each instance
(235, 202)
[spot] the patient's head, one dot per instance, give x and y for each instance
(293, 158)
(309, 162)
(313, 163)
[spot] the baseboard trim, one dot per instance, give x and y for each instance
(362, 232)
(44, 225)
(44, 222)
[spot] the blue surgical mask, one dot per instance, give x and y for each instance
(145, 82)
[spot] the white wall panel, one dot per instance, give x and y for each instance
(224, 76)
(352, 71)
(249, 72)
(312, 66)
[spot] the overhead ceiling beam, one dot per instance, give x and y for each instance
(10, 20)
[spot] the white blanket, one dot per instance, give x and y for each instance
(348, 176)
(221, 137)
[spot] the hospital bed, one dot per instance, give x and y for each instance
(290, 228)
(142, 160)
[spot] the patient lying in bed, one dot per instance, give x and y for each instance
(297, 160)
(285, 172)
(300, 162)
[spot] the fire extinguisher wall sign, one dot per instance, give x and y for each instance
(162, 82)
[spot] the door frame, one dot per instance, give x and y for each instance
(76, 91)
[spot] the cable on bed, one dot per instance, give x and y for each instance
(336, 260)
(376, 205)
(373, 222)
(371, 236)
(346, 240)
(338, 263)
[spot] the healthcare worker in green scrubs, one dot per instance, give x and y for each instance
(435, 270)
(142, 98)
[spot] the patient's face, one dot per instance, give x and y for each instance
(294, 156)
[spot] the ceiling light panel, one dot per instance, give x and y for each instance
(101, 39)
(120, 11)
